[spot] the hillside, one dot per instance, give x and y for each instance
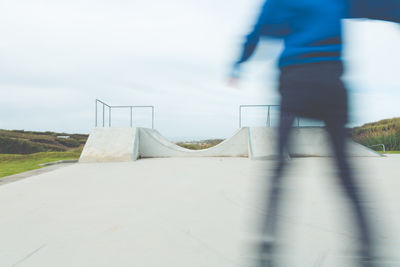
(203, 144)
(28, 142)
(385, 132)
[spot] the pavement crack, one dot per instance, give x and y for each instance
(29, 255)
(321, 258)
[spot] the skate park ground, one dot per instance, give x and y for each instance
(191, 212)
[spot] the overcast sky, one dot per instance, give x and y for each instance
(57, 57)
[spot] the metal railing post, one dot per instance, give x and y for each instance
(152, 117)
(109, 116)
(383, 147)
(95, 108)
(131, 115)
(103, 114)
(240, 116)
(268, 121)
(110, 113)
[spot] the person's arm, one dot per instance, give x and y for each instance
(272, 21)
(249, 46)
(248, 49)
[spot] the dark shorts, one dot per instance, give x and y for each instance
(314, 90)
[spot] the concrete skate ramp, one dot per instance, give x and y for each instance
(304, 142)
(262, 143)
(153, 145)
(111, 145)
(128, 144)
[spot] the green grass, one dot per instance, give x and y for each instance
(385, 132)
(12, 163)
(390, 152)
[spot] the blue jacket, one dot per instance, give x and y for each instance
(312, 29)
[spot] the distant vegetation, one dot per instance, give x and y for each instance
(27, 142)
(15, 163)
(22, 151)
(385, 132)
(197, 145)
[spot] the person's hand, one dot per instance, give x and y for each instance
(233, 82)
(234, 77)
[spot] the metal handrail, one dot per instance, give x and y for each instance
(268, 122)
(383, 146)
(111, 107)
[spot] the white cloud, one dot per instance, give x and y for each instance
(58, 56)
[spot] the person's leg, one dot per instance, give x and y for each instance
(268, 235)
(337, 133)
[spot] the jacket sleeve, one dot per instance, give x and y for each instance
(272, 22)
(387, 10)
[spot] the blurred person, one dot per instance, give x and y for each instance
(310, 86)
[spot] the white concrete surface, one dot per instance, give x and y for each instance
(154, 145)
(181, 212)
(304, 142)
(127, 144)
(314, 142)
(262, 143)
(111, 145)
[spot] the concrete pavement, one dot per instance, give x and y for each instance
(197, 212)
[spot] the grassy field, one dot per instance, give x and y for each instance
(22, 151)
(390, 152)
(13, 163)
(385, 132)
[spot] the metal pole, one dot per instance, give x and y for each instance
(383, 147)
(152, 117)
(110, 113)
(240, 117)
(131, 116)
(109, 116)
(268, 121)
(95, 105)
(103, 114)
